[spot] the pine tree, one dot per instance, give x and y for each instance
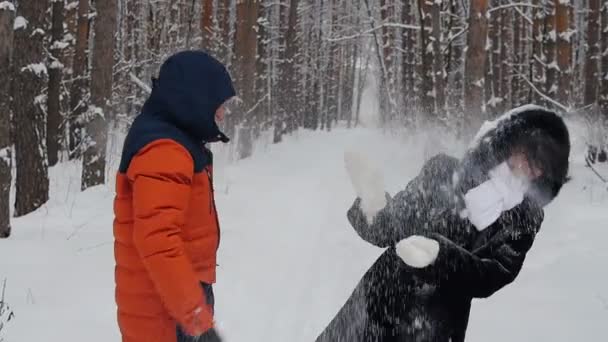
(29, 78)
(98, 115)
(475, 63)
(7, 16)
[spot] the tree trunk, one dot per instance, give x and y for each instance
(603, 98)
(207, 25)
(549, 52)
(456, 63)
(604, 67)
(245, 52)
(496, 100)
(564, 51)
(506, 60)
(7, 16)
(94, 157)
(53, 121)
(426, 89)
(290, 74)
(438, 68)
(518, 53)
(78, 92)
(592, 56)
(408, 67)
(28, 84)
(538, 71)
(475, 63)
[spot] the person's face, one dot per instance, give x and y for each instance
(521, 166)
(220, 113)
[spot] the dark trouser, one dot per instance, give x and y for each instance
(209, 297)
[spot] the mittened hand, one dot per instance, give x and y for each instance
(484, 205)
(368, 182)
(417, 251)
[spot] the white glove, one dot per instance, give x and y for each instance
(367, 181)
(417, 251)
(484, 205)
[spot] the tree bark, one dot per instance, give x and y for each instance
(78, 92)
(549, 51)
(94, 157)
(475, 63)
(438, 66)
(54, 119)
(592, 57)
(518, 59)
(426, 89)
(604, 67)
(496, 100)
(207, 25)
(564, 51)
(408, 67)
(245, 52)
(7, 16)
(537, 74)
(32, 183)
(506, 60)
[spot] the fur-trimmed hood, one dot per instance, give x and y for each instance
(540, 132)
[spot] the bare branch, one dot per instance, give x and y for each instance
(543, 95)
(524, 16)
(517, 4)
(374, 29)
(140, 83)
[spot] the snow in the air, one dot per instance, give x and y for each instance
(289, 259)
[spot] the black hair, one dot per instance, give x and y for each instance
(541, 134)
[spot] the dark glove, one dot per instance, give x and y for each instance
(210, 335)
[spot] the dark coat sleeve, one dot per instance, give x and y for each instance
(496, 263)
(404, 214)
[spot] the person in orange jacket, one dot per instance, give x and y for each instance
(166, 228)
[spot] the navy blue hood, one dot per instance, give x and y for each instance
(191, 86)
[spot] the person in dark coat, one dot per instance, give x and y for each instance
(460, 230)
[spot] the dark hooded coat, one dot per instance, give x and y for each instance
(395, 302)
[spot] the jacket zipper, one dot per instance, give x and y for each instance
(212, 207)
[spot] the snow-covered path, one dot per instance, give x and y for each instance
(288, 258)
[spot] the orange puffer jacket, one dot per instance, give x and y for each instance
(166, 236)
(166, 228)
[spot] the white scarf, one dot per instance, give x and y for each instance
(486, 202)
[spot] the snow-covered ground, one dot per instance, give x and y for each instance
(289, 258)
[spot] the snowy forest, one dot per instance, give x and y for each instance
(72, 71)
(335, 99)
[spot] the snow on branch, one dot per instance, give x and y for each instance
(37, 68)
(140, 83)
(517, 4)
(524, 16)
(7, 6)
(20, 23)
(543, 95)
(5, 155)
(373, 29)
